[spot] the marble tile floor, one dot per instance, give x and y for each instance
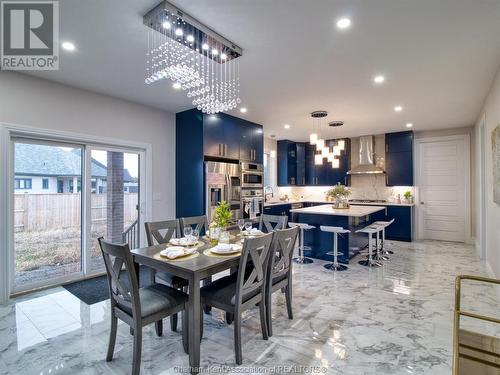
(392, 320)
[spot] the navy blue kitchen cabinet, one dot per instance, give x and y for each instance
(314, 173)
(221, 136)
(399, 142)
(278, 209)
(201, 137)
(401, 229)
(399, 158)
(251, 142)
(333, 176)
(291, 163)
(324, 174)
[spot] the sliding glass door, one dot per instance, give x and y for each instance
(66, 196)
(47, 212)
(114, 201)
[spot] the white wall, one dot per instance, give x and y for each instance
(491, 115)
(30, 101)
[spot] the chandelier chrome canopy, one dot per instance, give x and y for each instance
(194, 57)
(331, 151)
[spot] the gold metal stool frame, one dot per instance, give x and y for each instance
(481, 351)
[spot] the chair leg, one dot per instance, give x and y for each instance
(136, 361)
(229, 317)
(112, 338)
(288, 297)
(263, 319)
(269, 318)
(173, 322)
(159, 328)
(237, 338)
(185, 343)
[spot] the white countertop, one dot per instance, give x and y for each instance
(291, 201)
(327, 209)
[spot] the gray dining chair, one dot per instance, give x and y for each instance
(196, 222)
(244, 289)
(161, 232)
(136, 306)
(279, 270)
(270, 223)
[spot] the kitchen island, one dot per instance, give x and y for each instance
(352, 218)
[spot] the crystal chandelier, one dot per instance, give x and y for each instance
(194, 57)
(329, 151)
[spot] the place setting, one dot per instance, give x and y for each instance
(184, 248)
(224, 250)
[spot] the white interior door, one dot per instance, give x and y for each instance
(442, 170)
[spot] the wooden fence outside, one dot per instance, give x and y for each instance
(34, 212)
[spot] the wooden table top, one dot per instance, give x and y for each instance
(201, 264)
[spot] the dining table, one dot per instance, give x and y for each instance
(194, 270)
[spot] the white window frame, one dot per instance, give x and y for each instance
(7, 131)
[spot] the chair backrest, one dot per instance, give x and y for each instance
(162, 231)
(270, 223)
(198, 222)
(282, 246)
(125, 294)
(253, 263)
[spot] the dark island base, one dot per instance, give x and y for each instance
(322, 242)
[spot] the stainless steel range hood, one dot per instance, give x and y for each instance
(366, 158)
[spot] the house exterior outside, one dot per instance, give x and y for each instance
(41, 169)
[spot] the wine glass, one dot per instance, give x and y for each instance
(187, 233)
(241, 224)
(195, 235)
(248, 226)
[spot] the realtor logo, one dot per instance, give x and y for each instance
(29, 35)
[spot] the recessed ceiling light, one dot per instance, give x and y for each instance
(379, 79)
(166, 25)
(68, 46)
(286, 126)
(215, 52)
(176, 85)
(190, 38)
(398, 108)
(409, 125)
(243, 110)
(343, 23)
(179, 32)
(205, 46)
(223, 56)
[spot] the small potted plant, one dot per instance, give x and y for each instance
(339, 194)
(408, 197)
(220, 220)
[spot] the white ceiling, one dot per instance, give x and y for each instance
(439, 59)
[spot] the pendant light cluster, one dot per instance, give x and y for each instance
(194, 57)
(329, 151)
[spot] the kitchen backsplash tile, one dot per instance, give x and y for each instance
(362, 187)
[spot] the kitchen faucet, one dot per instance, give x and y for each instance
(266, 193)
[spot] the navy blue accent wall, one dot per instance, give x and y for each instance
(189, 168)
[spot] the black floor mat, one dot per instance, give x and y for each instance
(96, 289)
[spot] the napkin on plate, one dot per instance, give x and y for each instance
(224, 247)
(253, 231)
(173, 252)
